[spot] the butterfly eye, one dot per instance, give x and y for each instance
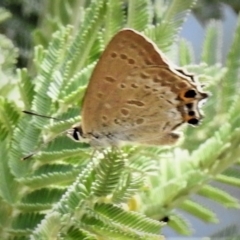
(75, 133)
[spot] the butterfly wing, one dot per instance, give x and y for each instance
(134, 95)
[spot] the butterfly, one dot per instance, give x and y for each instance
(136, 95)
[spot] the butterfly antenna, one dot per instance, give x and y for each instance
(35, 152)
(40, 115)
(30, 155)
(41, 146)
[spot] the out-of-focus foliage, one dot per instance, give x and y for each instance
(206, 10)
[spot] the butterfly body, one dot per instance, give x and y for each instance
(136, 95)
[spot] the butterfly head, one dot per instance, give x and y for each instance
(76, 133)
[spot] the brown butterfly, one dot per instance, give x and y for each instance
(136, 95)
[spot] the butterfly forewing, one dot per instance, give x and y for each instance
(125, 52)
